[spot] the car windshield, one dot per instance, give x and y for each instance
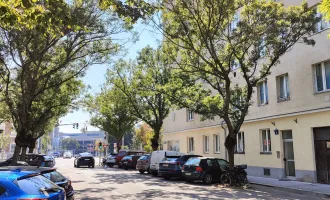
(35, 185)
(85, 154)
(127, 158)
(144, 158)
(170, 158)
(54, 176)
(193, 161)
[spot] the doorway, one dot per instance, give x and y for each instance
(289, 164)
(322, 154)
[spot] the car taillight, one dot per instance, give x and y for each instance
(199, 169)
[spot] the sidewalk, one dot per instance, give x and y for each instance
(296, 185)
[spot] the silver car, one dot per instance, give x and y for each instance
(111, 161)
(143, 163)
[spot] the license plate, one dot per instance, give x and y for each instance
(165, 165)
(86, 159)
(188, 174)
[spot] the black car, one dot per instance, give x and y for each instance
(129, 162)
(39, 160)
(171, 166)
(204, 169)
(84, 159)
(49, 173)
(8, 163)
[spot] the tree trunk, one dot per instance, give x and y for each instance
(17, 151)
(119, 145)
(230, 144)
(31, 150)
(23, 153)
(154, 140)
(31, 146)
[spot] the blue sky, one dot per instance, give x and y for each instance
(95, 76)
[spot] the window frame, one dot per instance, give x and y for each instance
(268, 138)
(286, 88)
(324, 81)
(206, 144)
(191, 146)
(319, 24)
(233, 24)
(265, 88)
(238, 144)
(215, 143)
(190, 115)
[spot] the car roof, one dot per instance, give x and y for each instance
(14, 174)
(28, 168)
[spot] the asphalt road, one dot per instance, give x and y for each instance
(102, 183)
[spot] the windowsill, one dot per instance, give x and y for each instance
(266, 152)
(264, 104)
(317, 32)
(189, 120)
(321, 92)
(206, 152)
(282, 100)
(217, 152)
(243, 152)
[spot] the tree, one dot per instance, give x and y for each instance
(140, 83)
(230, 46)
(325, 9)
(70, 144)
(111, 114)
(142, 137)
(40, 71)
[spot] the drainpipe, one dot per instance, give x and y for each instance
(225, 132)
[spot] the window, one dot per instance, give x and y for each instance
(233, 24)
(240, 147)
(262, 93)
(283, 92)
(206, 143)
(190, 115)
(223, 164)
(173, 116)
(322, 24)
(173, 145)
(235, 65)
(262, 47)
(12, 147)
(266, 141)
(216, 139)
(191, 146)
(322, 76)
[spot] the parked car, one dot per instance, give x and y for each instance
(67, 154)
(143, 163)
(50, 174)
(171, 166)
(157, 156)
(8, 163)
(111, 160)
(129, 162)
(204, 169)
(19, 184)
(38, 160)
(56, 154)
(126, 152)
(84, 159)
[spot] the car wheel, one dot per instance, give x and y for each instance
(141, 171)
(78, 166)
(93, 166)
(154, 173)
(110, 165)
(207, 179)
(119, 166)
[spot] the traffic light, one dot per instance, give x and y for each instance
(100, 145)
(75, 125)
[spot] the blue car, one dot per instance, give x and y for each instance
(19, 184)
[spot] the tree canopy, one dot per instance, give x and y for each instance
(230, 46)
(70, 144)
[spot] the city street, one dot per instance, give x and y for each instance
(113, 183)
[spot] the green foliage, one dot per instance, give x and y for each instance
(325, 9)
(70, 144)
(142, 84)
(142, 137)
(41, 71)
(111, 114)
(229, 58)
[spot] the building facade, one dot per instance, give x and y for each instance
(287, 131)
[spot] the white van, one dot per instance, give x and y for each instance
(157, 156)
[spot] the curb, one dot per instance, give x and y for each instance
(290, 188)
